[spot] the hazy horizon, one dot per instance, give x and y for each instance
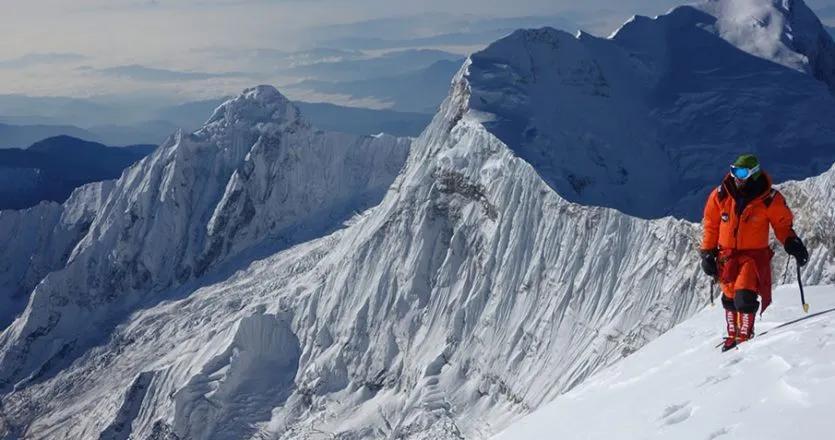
(198, 49)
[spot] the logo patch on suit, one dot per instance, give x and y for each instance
(725, 217)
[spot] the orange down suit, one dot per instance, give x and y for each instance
(741, 237)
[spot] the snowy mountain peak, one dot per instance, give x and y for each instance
(262, 108)
(255, 177)
(673, 92)
(786, 32)
(540, 35)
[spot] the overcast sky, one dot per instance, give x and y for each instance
(57, 47)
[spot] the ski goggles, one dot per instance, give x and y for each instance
(743, 173)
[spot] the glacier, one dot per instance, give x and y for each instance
(243, 282)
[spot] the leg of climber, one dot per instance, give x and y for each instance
(730, 322)
(745, 300)
(747, 305)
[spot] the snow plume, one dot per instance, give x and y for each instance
(784, 31)
(760, 27)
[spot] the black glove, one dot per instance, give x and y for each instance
(796, 249)
(709, 263)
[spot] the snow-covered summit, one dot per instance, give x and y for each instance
(648, 120)
(784, 31)
(779, 384)
(262, 108)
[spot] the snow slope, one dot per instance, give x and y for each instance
(647, 120)
(779, 385)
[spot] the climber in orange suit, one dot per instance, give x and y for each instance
(735, 243)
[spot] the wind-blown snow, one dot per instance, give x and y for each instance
(784, 31)
(776, 386)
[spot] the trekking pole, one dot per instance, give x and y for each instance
(802, 296)
(712, 290)
(786, 270)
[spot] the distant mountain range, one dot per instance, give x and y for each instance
(353, 120)
(421, 90)
(20, 131)
(19, 136)
(146, 132)
(408, 80)
(360, 121)
(52, 168)
(325, 116)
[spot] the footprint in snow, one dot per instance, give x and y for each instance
(713, 380)
(716, 434)
(732, 362)
(675, 414)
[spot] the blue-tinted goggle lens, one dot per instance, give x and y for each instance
(744, 173)
(740, 173)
